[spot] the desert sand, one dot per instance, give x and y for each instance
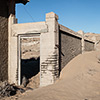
(79, 80)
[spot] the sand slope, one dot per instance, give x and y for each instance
(80, 80)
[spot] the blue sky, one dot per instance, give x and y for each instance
(74, 14)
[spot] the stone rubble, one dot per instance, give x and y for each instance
(7, 90)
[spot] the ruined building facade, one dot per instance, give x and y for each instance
(58, 45)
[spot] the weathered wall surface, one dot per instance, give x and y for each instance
(89, 46)
(3, 40)
(49, 52)
(70, 47)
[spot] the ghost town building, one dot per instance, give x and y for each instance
(30, 48)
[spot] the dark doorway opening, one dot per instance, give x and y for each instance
(30, 67)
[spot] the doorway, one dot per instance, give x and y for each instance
(29, 54)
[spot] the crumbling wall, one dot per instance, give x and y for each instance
(70, 47)
(58, 45)
(3, 40)
(89, 46)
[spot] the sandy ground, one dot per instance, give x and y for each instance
(80, 80)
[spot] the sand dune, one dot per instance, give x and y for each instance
(80, 80)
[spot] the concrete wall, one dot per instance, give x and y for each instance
(3, 40)
(89, 46)
(70, 47)
(16, 31)
(49, 53)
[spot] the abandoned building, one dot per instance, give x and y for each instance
(44, 47)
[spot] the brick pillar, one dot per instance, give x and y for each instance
(49, 53)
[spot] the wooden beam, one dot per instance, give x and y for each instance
(22, 1)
